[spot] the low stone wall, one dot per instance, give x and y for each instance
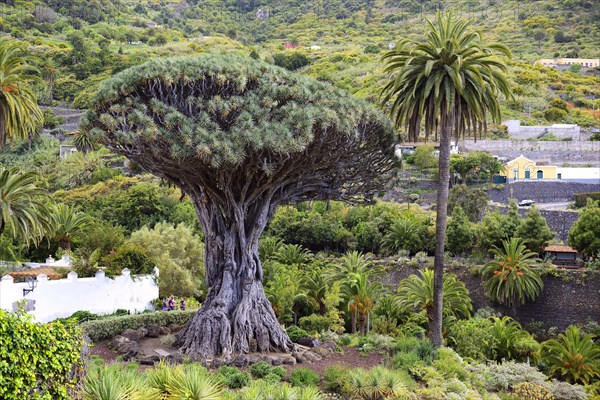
(570, 297)
(530, 145)
(542, 192)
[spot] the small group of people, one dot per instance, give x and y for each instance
(169, 304)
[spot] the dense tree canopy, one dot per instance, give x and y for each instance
(240, 137)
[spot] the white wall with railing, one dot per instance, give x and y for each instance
(52, 299)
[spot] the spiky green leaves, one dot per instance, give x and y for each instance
(451, 76)
(20, 116)
(235, 120)
(221, 108)
(513, 276)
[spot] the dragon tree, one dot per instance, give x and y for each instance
(241, 137)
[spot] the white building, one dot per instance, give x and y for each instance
(581, 175)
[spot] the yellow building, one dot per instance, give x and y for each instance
(523, 168)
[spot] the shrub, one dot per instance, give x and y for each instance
(237, 380)
(316, 323)
(472, 338)
(334, 378)
(304, 377)
(279, 371)
(566, 391)
(110, 327)
(573, 357)
(295, 333)
(532, 391)
(260, 369)
(38, 361)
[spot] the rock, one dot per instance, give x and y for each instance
(299, 357)
(321, 351)
(241, 361)
(330, 344)
(148, 360)
(132, 335)
(154, 331)
(164, 330)
(276, 360)
(175, 358)
(308, 342)
(289, 361)
(312, 357)
(125, 347)
(143, 331)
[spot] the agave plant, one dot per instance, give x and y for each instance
(514, 274)
(194, 382)
(159, 379)
(113, 383)
(573, 356)
(376, 384)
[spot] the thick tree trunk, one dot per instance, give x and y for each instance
(236, 315)
(435, 323)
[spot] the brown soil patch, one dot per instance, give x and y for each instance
(102, 350)
(349, 359)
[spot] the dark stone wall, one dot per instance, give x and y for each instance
(570, 297)
(541, 192)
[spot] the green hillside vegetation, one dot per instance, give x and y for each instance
(80, 43)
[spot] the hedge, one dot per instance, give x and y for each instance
(581, 198)
(38, 361)
(107, 328)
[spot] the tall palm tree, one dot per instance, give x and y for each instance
(448, 83)
(418, 292)
(23, 213)
(68, 223)
(49, 72)
(20, 115)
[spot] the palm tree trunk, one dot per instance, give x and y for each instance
(353, 317)
(435, 328)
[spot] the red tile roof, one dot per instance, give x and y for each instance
(34, 272)
(560, 249)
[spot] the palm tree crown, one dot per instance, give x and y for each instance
(514, 273)
(23, 213)
(448, 81)
(20, 115)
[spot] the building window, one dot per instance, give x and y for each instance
(559, 176)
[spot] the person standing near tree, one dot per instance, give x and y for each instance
(171, 303)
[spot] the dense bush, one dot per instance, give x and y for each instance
(234, 378)
(38, 361)
(295, 333)
(581, 198)
(110, 327)
(304, 377)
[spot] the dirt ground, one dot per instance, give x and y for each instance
(349, 358)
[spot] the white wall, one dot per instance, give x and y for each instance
(100, 295)
(584, 175)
